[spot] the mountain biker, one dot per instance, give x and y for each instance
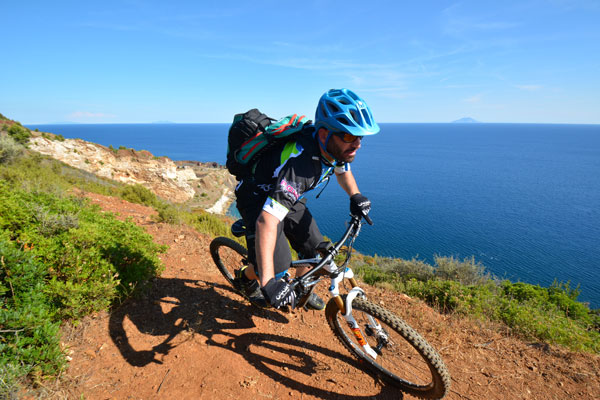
(271, 201)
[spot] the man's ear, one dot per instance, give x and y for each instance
(322, 134)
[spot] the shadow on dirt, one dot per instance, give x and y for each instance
(295, 351)
(174, 306)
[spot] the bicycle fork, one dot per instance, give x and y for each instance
(373, 326)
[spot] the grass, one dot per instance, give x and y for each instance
(552, 315)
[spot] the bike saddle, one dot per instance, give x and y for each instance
(238, 229)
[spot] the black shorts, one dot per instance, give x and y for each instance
(298, 226)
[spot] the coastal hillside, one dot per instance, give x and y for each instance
(108, 291)
(207, 186)
(191, 337)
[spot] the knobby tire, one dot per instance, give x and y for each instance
(407, 361)
(228, 255)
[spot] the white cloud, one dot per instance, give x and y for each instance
(529, 88)
(388, 92)
(473, 99)
(459, 20)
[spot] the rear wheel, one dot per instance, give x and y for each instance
(403, 358)
(229, 256)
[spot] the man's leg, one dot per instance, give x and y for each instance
(304, 235)
(246, 280)
(282, 257)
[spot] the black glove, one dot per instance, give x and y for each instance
(279, 293)
(360, 207)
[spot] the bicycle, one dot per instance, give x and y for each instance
(389, 346)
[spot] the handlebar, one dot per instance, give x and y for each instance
(352, 231)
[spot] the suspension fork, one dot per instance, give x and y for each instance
(346, 309)
(338, 299)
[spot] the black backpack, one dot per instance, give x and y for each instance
(252, 133)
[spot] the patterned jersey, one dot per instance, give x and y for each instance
(284, 175)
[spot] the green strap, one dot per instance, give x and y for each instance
(288, 151)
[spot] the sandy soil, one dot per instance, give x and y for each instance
(192, 337)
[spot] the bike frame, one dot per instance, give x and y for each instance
(326, 266)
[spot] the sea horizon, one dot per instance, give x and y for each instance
(36, 124)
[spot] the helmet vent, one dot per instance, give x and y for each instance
(365, 115)
(344, 101)
(333, 107)
(343, 120)
(354, 116)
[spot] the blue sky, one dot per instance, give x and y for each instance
(203, 61)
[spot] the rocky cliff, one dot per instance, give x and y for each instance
(207, 186)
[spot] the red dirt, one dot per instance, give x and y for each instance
(192, 337)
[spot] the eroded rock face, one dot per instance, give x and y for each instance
(202, 185)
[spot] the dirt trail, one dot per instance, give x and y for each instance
(191, 337)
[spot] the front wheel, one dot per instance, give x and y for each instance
(400, 355)
(229, 256)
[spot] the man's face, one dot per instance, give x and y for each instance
(341, 150)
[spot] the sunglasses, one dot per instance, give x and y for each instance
(347, 137)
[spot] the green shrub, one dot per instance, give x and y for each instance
(140, 195)
(549, 314)
(410, 269)
(9, 149)
(20, 134)
(467, 272)
(60, 258)
(169, 214)
(445, 295)
(52, 224)
(30, 342)
(91, 253)
(211, 224)
(565, 298)
(372, 275)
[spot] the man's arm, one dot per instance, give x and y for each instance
(359, 204)
(347, 182)
(266, 237)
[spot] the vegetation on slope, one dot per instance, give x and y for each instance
(551, 315)
(61, 258)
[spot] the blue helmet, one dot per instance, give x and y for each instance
(341, 110)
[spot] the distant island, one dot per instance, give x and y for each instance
(465, 120)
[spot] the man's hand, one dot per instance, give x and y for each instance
(279, 293)
(360, 207)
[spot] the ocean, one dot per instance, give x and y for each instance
(522, 199)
